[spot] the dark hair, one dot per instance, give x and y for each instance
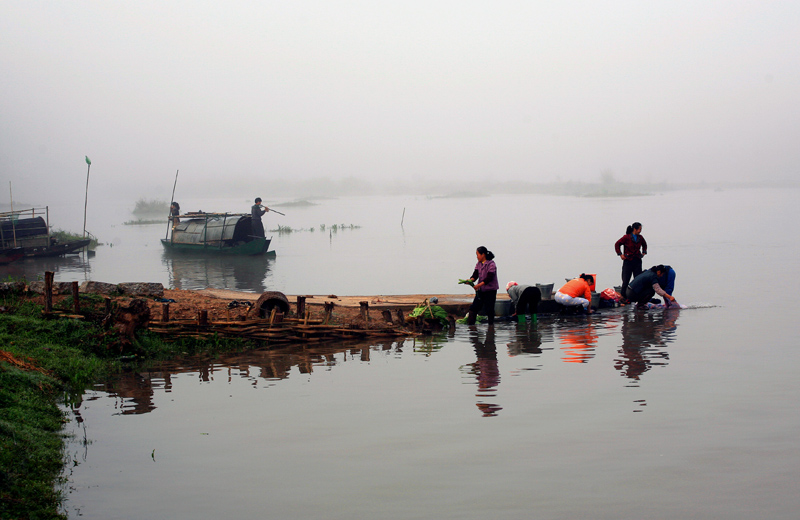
(659, 267)
(635, 225)
(175, 203)
(589, 278)
(482, 250)
(258, 199)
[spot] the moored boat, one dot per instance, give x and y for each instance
(217, 233)
(29, 230)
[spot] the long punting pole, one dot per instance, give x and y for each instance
(172, 199)
(86, 198)
(13, 226)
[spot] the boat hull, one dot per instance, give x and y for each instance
(10, 255)
(257, 246)
(57, 249)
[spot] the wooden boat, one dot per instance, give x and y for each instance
(29, 229)
(216, 233)
(10, 254)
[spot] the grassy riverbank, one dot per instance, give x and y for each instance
(42, 363)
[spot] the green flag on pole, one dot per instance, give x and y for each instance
(88, 161)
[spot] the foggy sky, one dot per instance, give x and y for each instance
(245, 92)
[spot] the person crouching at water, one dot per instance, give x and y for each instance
(577, 292)
(485, 274)
(646, 285)
(667, 282)
(526, 299)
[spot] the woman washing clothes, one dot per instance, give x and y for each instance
(577, 292)
(646, 285)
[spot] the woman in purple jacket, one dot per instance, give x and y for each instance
(635, 247)
(485, 276)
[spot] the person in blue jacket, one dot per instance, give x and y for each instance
(667, 281)
(647, 285)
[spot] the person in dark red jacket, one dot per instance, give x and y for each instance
(635, 247)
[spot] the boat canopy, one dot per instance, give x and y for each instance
(213, 229)
(22, 227)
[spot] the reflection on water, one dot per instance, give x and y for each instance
(135, 390)
(330, 394)
(645, 336)
(644, 340)
(485, 369)
(241, 273)
(34, 268)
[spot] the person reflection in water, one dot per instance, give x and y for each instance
(579, 344)
(644, 340)
(486, 371)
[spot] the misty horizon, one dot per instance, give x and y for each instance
(247, 98)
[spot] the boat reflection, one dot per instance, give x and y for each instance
(34, 268)
(239, 273)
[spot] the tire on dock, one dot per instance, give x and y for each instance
(271, 300)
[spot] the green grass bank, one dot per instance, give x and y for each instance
(44, 362)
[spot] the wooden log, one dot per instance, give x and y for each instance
(108, 305)
(401, 319)
(76, 301)
(387, 316)
(202, 318)
(165, 312)
(48, 292)
(301, 305)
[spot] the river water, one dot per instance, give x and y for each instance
(656, 414)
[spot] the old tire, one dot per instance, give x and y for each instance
(271, 300)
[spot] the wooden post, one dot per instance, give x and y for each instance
(301, 306)
(387, 316)
(48, 292)
(202, 318)
(108, 305)
(328, 306)
(365, 312)
(401, 320)
(76, 301)
(272, 315)
(307, 313)
(165, 312)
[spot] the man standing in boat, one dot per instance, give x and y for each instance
(255, 215)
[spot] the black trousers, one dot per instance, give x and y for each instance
(630, 267)
(483, 304)
(640, 298)
(258, 228)
(528, 301)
